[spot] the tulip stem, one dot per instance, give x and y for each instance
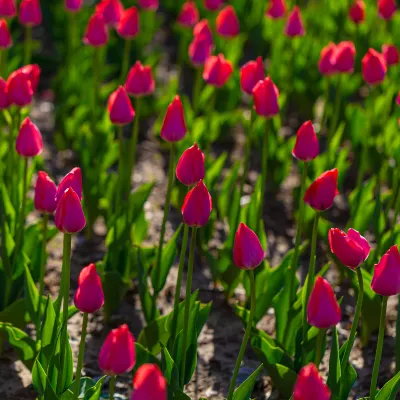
(325, 112)
(397, 347)
(96, 78)
(319, 353)
(80, 356)
(379, 346)
(246, 334)
(125, 60)
(112, 387)
(28, 45)
(336, 111)
(187, 305)
(196, 91)
(120, 179)
(3, 56)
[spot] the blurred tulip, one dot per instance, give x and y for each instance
(265, 96)
(250, 74)
(3, 95)
(203, 27)
(89, 296)
(5, 37)
(200, 49)
(72, 180)
(386, 280)
(111, 11)
(140, 80)
(69, 217)
(45, 193)
(343, 57)
(32, 71)
(322, 191)
(149, 383)
(117, 354)
(357, 12)
(217, 70)
(8, 9)
(189, 15)
(326, 63)
(212, 5)
(19, 89)
(151, 5)
(29, 139)
(73, 5)
(386, 8)
(351, 249)
(120, 108)
(227, 23)
(323, 310)
(398, 99)
(294, 25)
(197, 206)
(373, 67)
(390, 54)
(96, 31)
(30, 13)
(129, 24)
(276, 9)
(310, 386)
(174, 126)
(247, 250)
(307, 146)
(190, 168)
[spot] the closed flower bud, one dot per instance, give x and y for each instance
(326, 64)
(373, 67)
(189, 15)
(96, 31)
(386, 8)
(5, 37)
(120, 109)
(140, 80)
(111, 10)
(294, 25)
(149, 383)
(323, 310)
(8, 8)
(217, 70)
(265, 96)
(69, 217)
(200, 49)
(3, 95)
(89, 296)
(19, 89)
(33, 73)
(390, 54)
(227, 22)
(386, 280)
(30, 13)
(174, 126)
(307, 146)
(398, 99)
(276, 9)
(117, 355)
(73, 5)
(190, 168)
(151, 5)
(247, 250)
(203, 27)
(310, 386)
(344, 56)
(351, 249)
(197, 206)
(45, 193)
(29, 139)
(213, 5)
(250, 74)
(128, 26)
(322, 191)
(72, 180)
(357, 12)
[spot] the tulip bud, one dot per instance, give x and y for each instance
(45, 193)
(357, 12)
(212, 5)
(265, 96)
(73, 5)
(227, 22)
(120, 109)
(247, 250)
(151, 5)
(30, 13)
(276, 9)
(149, 383)
(111, 11)
(189, 15)
(203, 27)
(323, 310)
(373, 67)
(8, 8)
(72, 180)
(386, 8)
(294, 25)
(197, 206)
(3, 95)
(322, 191)
(250, 74)
(343, 57)
(307, 146)
(390, 54)
(69, 217)
(200, 49)
(351, 249)
(326, 64)
(140, 80)
(32, 71)
(386, 280)
(217, 70)
(310, 386)
(117, 355)
(19, 89)
(174, 126)
(398, 99)
(128, 26)
(89, 296)
(29, 139)
(190, 168)
(5, 37)
(96, 31)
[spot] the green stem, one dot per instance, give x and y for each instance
(319, 354)
(325, 113)
(96, 78)
(210, 112)
(187, 304)
(395, 215)
(394, 196)
(112, 387)
(397, 347)
(336, 111)
(28, 45)
(71, 40)
(196, 91)
(246, 334)
(125, 60)
(379, 346)
(121, 166)
(80, 356)
(3, 56)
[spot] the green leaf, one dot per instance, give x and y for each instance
(48, 339)
(114, 289)
(41, 382)
(347, 381)
(15, 314)
(334, 365)
(243, 392)
(94, 393)
(170, 370)
(390, 389)
(31, 295)
(143, 356)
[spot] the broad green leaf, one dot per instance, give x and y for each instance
(390, 389)
(114, 288)
(94, 392)
(243, 392)
(41, 382)
(334, 365)
(31, 295)
(143, 356)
